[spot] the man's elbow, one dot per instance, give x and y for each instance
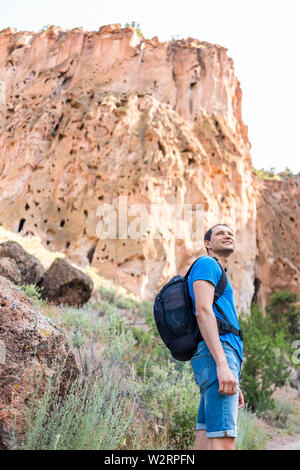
(203, 312)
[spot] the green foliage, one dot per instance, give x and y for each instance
(81, 324)
(271, 175)
(280, 414)
(285, 314)
(119, 330)
(108, 293)
(34, 292)
(172, 397)
(251, 435)
(31, 290)
(265, 367)
(94, 415)
(135, 26)
(45, 27)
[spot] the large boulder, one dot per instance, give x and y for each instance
(30, 267)
(31, 345)
(62, 283)
(9, 269)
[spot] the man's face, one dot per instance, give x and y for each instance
(222, 240)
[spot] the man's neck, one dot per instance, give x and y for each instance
(223, 259)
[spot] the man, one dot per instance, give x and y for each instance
(218, 359)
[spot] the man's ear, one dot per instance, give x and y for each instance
(207, 244)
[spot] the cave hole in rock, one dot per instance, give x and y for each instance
(21, 224)
(161, 148)
(62, 223)
(90, 254)
(27, 207)
(257, 284)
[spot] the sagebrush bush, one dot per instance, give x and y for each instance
(94, 415)
(251, 435)
(172, 396)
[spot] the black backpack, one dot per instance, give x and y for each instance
(175, 320)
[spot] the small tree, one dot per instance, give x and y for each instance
(135, 26)
(284, 314)
(265, 367)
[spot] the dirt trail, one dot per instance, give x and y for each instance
(294, 444)
(287, 442)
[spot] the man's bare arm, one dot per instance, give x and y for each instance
(204, 295)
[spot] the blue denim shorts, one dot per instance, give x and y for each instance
(217, 413)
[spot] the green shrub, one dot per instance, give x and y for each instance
(94, 415)
(270, 174)
(171, 396)
(32, 291)
(137, 27)
(251, 434)
(265, 366)
(284, 314)
(280, 414)
(108, 293)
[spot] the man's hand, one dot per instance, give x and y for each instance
(241, 400)
(227, 382)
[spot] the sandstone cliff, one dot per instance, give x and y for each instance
(278, 258)
(93, 116)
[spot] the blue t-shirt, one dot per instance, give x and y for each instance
(207, 268)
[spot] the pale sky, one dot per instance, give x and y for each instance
(262, 37)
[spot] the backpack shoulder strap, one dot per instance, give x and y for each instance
(188, 272)
(220, 287)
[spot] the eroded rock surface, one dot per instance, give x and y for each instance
(30, 345)
(94, 116)
(278, 218)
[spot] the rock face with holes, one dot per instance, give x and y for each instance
(62, 283)
(104, 121)
(278, 258)
(30, 346)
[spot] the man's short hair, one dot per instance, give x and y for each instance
(207, 235)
